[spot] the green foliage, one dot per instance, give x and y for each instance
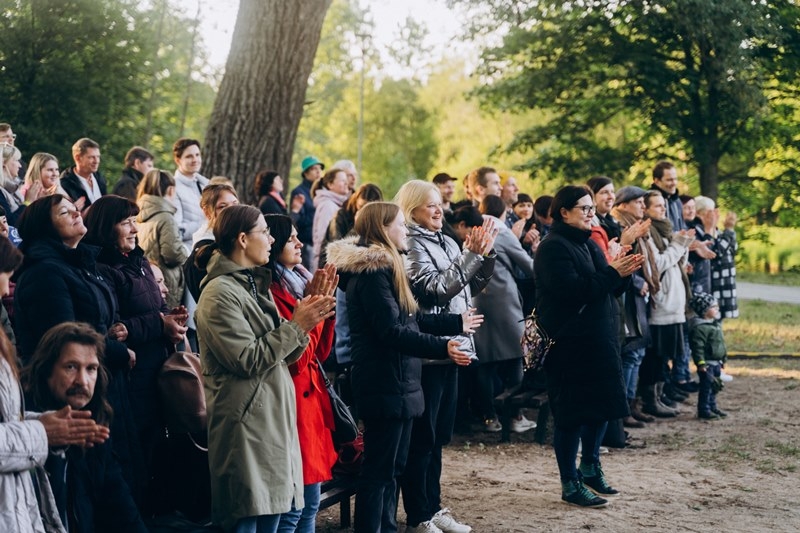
(93, 68)
(763, 327)
(711, 84)
(770, 250)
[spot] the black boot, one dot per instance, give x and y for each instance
(636, 412)
(652, 406)
(593, 477)
(576, 493)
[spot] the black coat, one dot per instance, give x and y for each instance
(271, 206)
(140, 308)
(128, 184)
(576, 302)
(71, 184)
(90, 492)
(387, 345)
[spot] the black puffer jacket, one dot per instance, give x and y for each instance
(387, 345)
(576, 302)
(140, 308)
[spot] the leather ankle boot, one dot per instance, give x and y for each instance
(636, 412)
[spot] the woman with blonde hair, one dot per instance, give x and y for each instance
(159, 235)
(443, 279)
(389, 339)
(41, 179)
(10, 198)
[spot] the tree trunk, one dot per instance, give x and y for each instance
(260, 102)
(709, 179)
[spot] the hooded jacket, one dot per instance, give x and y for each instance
(387, 344)
(443, 278)
(160, 239)
(245, 348)
(326, 204)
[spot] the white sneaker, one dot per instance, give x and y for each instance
(445, 522)
(522, 424)
(424, 527)
(727, 378)
(601, 451)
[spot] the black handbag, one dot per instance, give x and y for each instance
(345, 427)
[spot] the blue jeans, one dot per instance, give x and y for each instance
(302, 520)
(706, 397)
(680, 365)
(631, 361)
(565, 443)
(267, 523)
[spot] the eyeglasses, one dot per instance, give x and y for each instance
(587, 209)
(264, 232)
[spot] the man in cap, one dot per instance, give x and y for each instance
(311, 169)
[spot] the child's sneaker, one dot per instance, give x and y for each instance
(725, 377)
(522, 424)
(444, 520)
(707, 415)
(719, 412)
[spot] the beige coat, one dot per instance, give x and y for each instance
(161, 241)
(245, 349)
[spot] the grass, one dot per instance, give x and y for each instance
(785, 279)
(764, 327)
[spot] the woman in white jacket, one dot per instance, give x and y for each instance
(669, 287)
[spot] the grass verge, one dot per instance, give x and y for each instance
(786, 279)
(764, 327)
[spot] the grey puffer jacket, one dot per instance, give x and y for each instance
(23, 451)
(443, 278)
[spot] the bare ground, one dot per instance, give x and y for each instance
(741, 474)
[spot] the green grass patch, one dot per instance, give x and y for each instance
(770, 250)
(764, 327)
(784, 279)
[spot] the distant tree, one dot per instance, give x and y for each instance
(260, 102)
(626, 80)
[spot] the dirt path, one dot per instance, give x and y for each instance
(741, 474)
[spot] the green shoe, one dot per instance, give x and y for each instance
(592, 476)
(575, 493)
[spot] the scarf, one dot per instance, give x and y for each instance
(650, 272)
(293, 280)
(278, 198)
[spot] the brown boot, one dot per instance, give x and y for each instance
(630, 422)
(636, 412)
(652, 406)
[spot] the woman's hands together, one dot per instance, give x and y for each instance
(625, 265)
(480, 239)
(312, 310)
(324, 282)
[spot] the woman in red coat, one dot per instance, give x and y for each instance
(290, 282)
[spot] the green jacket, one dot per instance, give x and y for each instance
(707, 341)
(245, 349)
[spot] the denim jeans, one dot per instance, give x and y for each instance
(680, 365)
(565, 443)
(258, 524)
(707, 398)
(302, 520)
(631, 361)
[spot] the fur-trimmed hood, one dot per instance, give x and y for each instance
(352, 258)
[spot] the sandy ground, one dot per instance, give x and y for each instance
(741, 474)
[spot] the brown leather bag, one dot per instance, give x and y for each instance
(180, 383)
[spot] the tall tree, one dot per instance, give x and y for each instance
(629, 79)
(260, 102)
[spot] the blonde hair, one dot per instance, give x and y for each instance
(9, 152)
(156, 183)
(413, 194)
(38, 161)
(703, 203)
(371, 224)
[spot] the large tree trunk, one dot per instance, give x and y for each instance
(260, 102)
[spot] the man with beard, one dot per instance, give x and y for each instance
(66, 370)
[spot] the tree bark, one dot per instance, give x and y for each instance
(260, 101)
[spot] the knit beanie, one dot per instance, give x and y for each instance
(700, 303)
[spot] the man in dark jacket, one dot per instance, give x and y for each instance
(84, 183)
(304, 219)
(66, 370)
(138, 162)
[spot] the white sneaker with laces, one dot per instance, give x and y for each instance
(424, 527)
(522, 424)
(444, 521)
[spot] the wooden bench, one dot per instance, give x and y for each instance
(339, 490)
(509, 402)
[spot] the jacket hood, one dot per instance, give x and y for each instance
(326, 195)
(151, 205)
(351, 258)
(219, 265)
(85, 255)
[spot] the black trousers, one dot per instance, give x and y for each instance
(429, 433)
(385, 451)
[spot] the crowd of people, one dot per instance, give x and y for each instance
(417, 304)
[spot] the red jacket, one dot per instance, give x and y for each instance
(314, 413)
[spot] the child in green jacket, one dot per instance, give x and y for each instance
(709, 353)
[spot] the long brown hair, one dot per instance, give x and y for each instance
(371, 224)
(10, 260)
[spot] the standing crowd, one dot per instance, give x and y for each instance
(417, 304)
